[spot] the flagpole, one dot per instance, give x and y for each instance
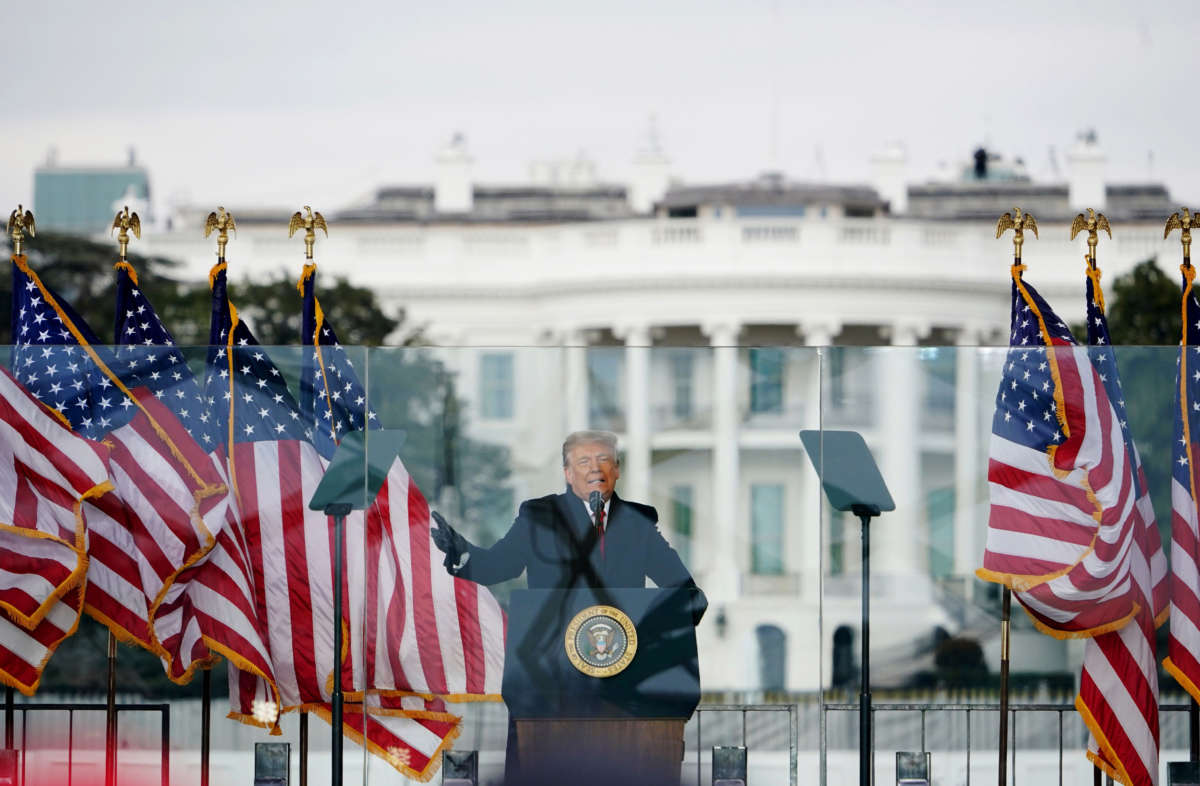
(110, 716)
(1005, 613)
(1093, 223)
(1018, 225)
(124, 222)
(205, 724)
(303, 748)
(9, 717)
(310, 224)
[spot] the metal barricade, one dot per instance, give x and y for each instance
(164, 731)
(1015, 709)
(744, 709)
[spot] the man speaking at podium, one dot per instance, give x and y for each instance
(586, 536)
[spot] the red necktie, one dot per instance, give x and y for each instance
(600, 524)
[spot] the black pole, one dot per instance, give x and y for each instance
(1005, 612)
(339, 512)
(205, 724)
(9, 716)
(303, 748)
(865, 742)
(1193, 730)
(110, 725)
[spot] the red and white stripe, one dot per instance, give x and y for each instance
(426, 633)
(1079, 546)
(1063, 527)
(1118, 689)
(172, 505)
(45, 474)
(450, 631)
(1184, 659)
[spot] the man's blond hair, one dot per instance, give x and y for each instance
(589, 438)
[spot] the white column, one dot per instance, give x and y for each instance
(635, 469)
(899, 543)
(819, 334)
(721, 582)
(575, 379)
(967, 476)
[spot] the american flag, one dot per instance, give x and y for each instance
(46, 472)
(1184, 643)
(460, 657)
(166, 501)
(1065, 531)
(210, 606)
(1119, 682)
(275, 468)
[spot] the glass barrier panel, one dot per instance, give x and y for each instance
(206, 545)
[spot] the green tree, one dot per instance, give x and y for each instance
(80, 270)
(1143, 307)
(1143, 311)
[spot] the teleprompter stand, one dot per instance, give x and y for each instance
(351, 482)
(852, 483)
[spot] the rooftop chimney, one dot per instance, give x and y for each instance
(1085, 173)
(889, 176)
(651, 173)
(453, 191)
(981, 159)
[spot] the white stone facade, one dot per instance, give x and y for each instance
(553, 293)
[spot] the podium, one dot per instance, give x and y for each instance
(599, 684)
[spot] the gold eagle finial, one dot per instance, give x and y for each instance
(310, 224)
(1094, 224)
(1184, 224)
(125, 222)
(20, 223)
(1018, 224)
(221, 221)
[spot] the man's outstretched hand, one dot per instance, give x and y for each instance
(447, 540)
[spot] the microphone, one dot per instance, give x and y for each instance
(596, 502)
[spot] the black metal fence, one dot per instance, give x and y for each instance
(22, 738)
(1066, 730)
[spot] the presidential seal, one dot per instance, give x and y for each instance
(601, 641)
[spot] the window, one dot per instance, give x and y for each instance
(837, 542)
(849, 378)
(844, 670)
(604, 387)
(766, 380)
(772, 657)
(766, 529)
(938, 373)
(496, 385)
(681, 385)
(770, 211)
(681, 521)
(496, 513)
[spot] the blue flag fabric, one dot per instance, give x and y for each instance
(258, 401)
(332, 397)
(51, 357)
(147, 355)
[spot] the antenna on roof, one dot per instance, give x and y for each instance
(1052, 167)
(773, 151)
(819, 172)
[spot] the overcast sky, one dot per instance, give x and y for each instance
(318, 103)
